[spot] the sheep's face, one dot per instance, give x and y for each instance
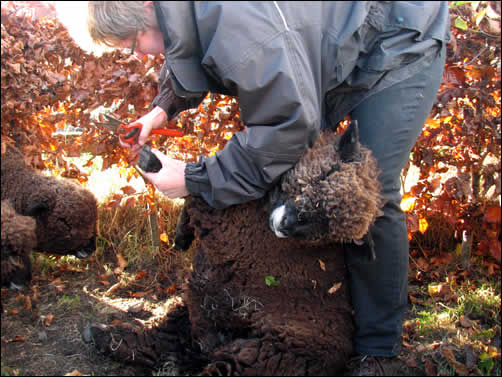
(286, 220)
(332, 192)
(66, 220)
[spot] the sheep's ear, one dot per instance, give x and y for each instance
(349, 146)
(184, 232)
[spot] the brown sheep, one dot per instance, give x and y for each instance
(267, 305)
(65, 213)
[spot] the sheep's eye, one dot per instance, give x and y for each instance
(301, 216)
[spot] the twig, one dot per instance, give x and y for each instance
(154, 224)
(476, 56)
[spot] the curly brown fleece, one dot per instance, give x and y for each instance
(237, 324)
(346, 193)
(298, 327)
(65, 213)
(301, 324)
(18, 240)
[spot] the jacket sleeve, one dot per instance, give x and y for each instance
(280, 108)
(167, 99)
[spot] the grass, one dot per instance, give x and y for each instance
(432, 323)
(8, 371)
(126, 230)
(45, 263)
(464, 318)
(69, 303)
(482, 302)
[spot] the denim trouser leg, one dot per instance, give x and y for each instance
(390, 123)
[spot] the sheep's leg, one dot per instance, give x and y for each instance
(184, 232)
(122, 343)
(170, 341)
(236, 358)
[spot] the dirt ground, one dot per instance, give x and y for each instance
(30, 347)
(41, 325)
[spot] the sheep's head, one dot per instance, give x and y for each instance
(332, 193)
(65, 213)
(66, 219)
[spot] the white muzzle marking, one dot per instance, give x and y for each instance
(275, 220)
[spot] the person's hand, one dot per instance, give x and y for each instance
(126, 132)
(154, 119)
(170, 180)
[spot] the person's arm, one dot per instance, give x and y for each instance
(167, 99)
(280, 107)
(281, 120)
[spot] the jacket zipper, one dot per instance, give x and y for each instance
(282, 16)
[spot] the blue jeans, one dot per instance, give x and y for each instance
(390, 123)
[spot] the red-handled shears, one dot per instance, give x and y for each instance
(129, 133)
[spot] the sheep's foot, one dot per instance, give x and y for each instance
(122, 343)
(170, 341)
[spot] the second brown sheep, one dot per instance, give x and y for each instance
(65, 214)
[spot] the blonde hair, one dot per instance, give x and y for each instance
(109, 22)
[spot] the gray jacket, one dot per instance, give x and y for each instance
(295, 67)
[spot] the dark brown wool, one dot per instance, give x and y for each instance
(65, 213)
(18, 240)
(294, 328)
(301, 324)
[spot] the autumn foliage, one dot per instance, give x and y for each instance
(48, 83)
(458, 153)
